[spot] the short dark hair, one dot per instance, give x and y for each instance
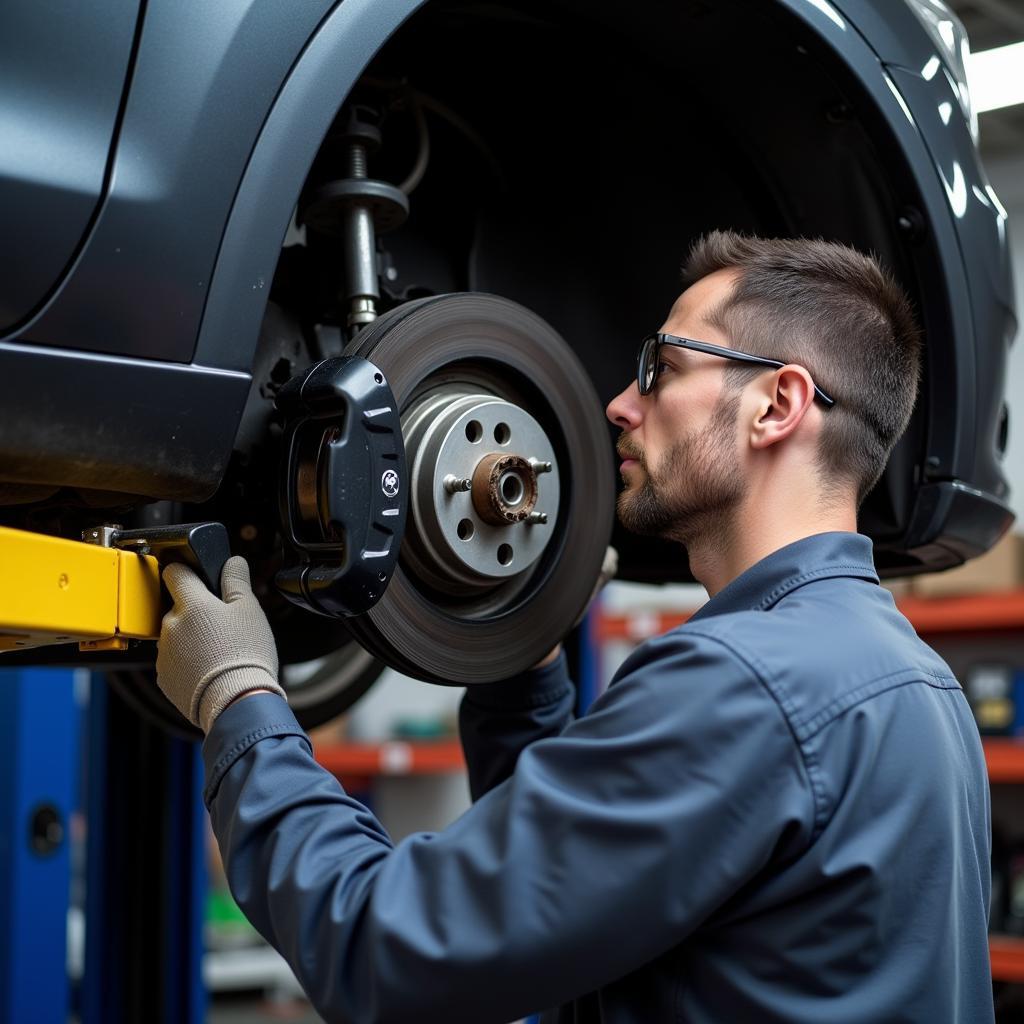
(836, 312)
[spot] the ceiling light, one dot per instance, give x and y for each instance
(996, 77)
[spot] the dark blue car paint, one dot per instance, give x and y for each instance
(56, 131)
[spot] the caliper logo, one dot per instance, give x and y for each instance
(389, 483)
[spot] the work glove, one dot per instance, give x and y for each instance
(212, 651)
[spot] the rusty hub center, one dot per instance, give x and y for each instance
(504, 489)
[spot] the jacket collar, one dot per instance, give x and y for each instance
(766, 582)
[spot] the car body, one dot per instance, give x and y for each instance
(156, 154)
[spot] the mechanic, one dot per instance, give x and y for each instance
(778, 811)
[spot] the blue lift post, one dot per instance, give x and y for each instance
(146, 868)
(39, 722)
(588, 678)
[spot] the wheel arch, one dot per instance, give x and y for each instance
(283, 153)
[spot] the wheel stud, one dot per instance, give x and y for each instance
(537, 517)
(454, 484)
(540, 467)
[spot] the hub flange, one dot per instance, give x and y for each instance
(482, 534)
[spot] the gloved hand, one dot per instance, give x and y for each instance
(609, 567)
(212, 651)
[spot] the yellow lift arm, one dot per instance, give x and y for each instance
(55, 591)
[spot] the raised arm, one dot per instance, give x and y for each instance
(499, 721)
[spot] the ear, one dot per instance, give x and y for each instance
(784, 398)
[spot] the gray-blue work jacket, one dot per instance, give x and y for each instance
(778, 812)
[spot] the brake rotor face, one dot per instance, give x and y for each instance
(490, 602)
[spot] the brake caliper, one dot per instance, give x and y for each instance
(343, 492)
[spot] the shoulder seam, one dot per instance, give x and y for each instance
(871, 688)
(806, 730)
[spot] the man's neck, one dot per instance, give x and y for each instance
(757, 529)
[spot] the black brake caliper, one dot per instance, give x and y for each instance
(343, 491)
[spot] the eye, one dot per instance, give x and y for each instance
(662, 367)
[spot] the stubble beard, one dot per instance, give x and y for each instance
(694, 495)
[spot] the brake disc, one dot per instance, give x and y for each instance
(511, 489)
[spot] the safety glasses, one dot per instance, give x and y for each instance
(647, 360)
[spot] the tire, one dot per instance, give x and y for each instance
(341, 678)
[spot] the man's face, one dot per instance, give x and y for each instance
(680, 447)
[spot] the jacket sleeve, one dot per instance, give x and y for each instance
(637, 820)
(498, 721)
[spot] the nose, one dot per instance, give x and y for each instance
(625, 410)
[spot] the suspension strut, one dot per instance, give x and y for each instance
(356, 209)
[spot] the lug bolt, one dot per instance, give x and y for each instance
(537, 517)
(540, 467)
(454, 484)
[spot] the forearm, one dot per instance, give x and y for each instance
(374, 933)
(498, 721)
(300, 854)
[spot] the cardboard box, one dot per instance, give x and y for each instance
(330, 733)
(996, 571)
(901, 587)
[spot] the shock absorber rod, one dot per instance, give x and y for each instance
(360, 248)
(355, 209)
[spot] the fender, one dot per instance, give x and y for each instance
(969, 334)
(950, 374)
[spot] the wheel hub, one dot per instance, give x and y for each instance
(485, 488)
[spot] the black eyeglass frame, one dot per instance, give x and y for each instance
(647, 360)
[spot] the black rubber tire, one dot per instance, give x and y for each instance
(489, 341)
(139, 690)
